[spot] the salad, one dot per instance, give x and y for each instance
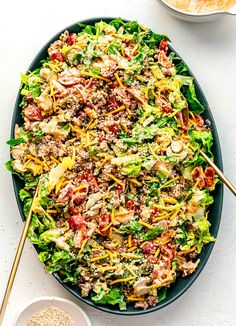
(112, 131)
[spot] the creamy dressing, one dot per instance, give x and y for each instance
(202, 6)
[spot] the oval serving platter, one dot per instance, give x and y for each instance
(181, 284)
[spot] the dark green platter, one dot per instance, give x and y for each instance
(181, 285)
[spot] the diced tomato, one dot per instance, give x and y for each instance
(198, 174)
(33, 113)
(149, 248)
(57, 56)
(76, 223)
(71, 39)
(114, 128)
(29, 97)
(129, 204)
(209, 176)
(164, 45)
(198, 119)
(163, 276)
(103, 223)
(155, 274)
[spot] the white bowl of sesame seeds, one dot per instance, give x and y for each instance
(52, 311)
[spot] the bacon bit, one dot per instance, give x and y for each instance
(129, 204)
(72, 210)
(155, 212)
(149, 248)
(90, 178)
(33, 113)
(168, 251)
(88, 83)
(104, 221)
(57, 56)
(198, 119)
(183, 118)
(112, 102)
(164, 105)
(198, 175)
(114, 128)
(209, 176)
(121, 188)
(71, 39)
(76, 223)
(79, 198)
(151, 259)
(135, 93)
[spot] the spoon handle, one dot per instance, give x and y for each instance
(16, 260)
(219, 173)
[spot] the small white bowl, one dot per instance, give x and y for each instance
(196, 17)
(77, 314)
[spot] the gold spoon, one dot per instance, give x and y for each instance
(17, 259)
(219, 173)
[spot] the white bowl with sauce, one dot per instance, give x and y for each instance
(178, 9)
(74, 311)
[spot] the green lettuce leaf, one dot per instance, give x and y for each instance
(24, 194)
(43, 256)
(203, 227)
(16, 141)
(131, 169)
(112, 297)
(152, 233)
(201, 138)
(131, 228)
(188, 89)
(162, 294)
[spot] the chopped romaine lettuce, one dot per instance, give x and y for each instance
(203, 227)
(112, 297)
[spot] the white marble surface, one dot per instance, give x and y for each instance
(210, 50)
